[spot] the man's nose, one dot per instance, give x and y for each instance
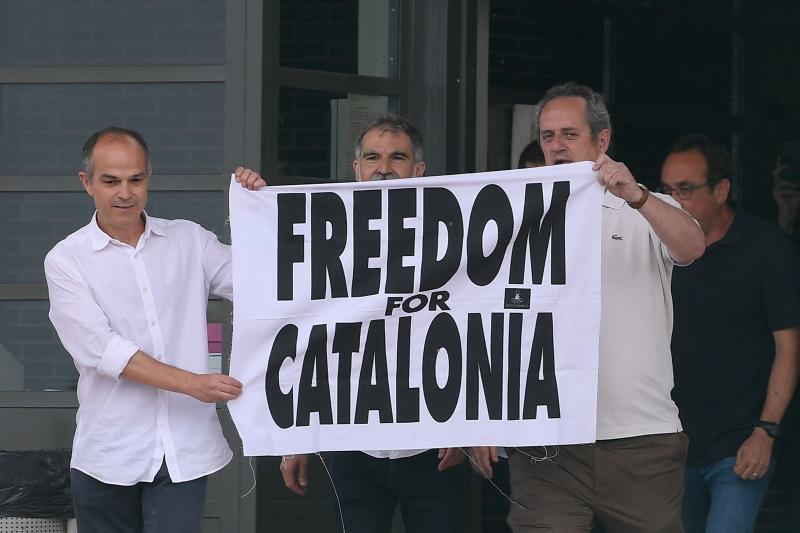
(557, 143)
(385, 165)
(124, 190)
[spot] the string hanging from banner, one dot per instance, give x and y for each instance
(335, 492)
(535, 459)
(486, 476)
(253, 472)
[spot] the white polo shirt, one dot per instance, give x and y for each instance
(635, 367)
(109, 299)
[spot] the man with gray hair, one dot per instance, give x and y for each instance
(631, 479)
(389, 148)
(370, 484)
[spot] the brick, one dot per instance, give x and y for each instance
(302, 50)
(318, 171)
(500, 9)
(305, 120)
(292, 14)
(207, 121)
(337, 31)
(500, 45)
(37, 375)
(313, 137)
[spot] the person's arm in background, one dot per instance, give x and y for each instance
(786, 194)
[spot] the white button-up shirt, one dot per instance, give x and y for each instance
(108, 300)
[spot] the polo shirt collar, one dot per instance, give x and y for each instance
(734, 234)
(612, 201)
(101, 239)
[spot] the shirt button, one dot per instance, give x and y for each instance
(144, 290)
(152, 322)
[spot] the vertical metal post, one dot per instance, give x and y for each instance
(481, 101)
(737, 104)
(609, 60)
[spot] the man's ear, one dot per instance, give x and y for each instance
(355, 169)
(722, 189)
(419, 169)
(604, 140)
(86, 182)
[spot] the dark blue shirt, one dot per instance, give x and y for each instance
(726, 306)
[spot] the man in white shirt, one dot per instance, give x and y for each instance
(370, 484)
(631, 479)
(128, 296)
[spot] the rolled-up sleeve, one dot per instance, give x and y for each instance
(79, 321)
(217, 265)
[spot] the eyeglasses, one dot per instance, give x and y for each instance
(682, 192)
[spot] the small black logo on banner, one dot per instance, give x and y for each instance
(518, 299)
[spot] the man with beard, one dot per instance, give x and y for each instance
(370, 484)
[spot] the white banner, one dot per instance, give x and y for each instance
(417, 313)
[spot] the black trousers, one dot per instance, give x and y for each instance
(369, 489)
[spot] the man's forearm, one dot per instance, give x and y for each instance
(783, 377)
(208, 388)
(677, 230)
(145, 369)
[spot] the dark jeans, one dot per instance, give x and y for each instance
(157, 507)
(369, 489)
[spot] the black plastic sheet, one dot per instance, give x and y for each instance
(35, 484)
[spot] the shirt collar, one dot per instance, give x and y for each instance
(734, 233)
(101, 239)
(612, 201)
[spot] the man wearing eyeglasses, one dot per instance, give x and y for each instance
(734, 343)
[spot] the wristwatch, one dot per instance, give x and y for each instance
(773, 429)
(640, 202)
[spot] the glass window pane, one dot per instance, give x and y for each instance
(772, 106)
(643, 146)
(349, 36)
(113, 32)
(45, 126)
(318, 130)
(32, 357)
(532, 46)
(649, 48)
(34, 222)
